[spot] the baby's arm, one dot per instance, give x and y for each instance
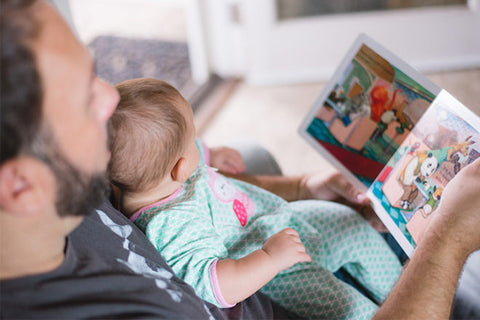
(239, 279)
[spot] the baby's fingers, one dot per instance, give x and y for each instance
(300, 251)
(290, 231)
(300, 254)
(233, 168)
(235, 161)
(304, 257)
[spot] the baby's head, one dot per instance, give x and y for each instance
(153, 136)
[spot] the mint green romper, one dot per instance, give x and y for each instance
(212, 217)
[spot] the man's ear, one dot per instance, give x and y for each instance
(179, 172)
(27, 186)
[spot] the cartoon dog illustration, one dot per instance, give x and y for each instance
(420, 167)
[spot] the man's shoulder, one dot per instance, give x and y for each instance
(110, 270)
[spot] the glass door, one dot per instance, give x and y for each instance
(304, 40)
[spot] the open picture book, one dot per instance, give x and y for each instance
(394, 134)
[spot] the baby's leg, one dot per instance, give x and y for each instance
(313, 292)
(335, 236)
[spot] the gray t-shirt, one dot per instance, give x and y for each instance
(112, 271)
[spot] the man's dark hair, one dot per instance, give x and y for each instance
(20, 83)
(22, 130)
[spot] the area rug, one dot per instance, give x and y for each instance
(119, 59)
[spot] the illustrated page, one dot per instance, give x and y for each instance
(409, 188)
(370, 107)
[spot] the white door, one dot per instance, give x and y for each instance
(268, 42)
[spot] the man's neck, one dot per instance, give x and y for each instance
(27, 252)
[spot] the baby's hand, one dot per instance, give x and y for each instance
(227, 160)
(286, 249)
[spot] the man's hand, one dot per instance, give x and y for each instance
(428, 284)
(226, 160)
(286, 249)
(330, 187)
(459, 210)
(335, 187)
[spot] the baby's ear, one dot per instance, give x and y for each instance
(179, 172)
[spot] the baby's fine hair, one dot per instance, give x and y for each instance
(148, 134)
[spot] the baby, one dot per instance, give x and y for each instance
(228, 238)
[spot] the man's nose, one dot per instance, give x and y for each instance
(109, 100)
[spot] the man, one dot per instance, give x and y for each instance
(54, 155)
(57, 261)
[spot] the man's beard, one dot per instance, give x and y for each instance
(78, 193)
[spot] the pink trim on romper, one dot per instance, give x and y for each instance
(206, 153)
(216, 286)
(170, 197)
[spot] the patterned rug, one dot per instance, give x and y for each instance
(119, 59)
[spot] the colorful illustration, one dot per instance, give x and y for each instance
(370, 111)
(411, 184)
(393, 134)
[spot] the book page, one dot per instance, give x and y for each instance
(366, 111)
(409, 188)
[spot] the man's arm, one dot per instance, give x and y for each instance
(289, 188)
(321, 186)
(331, 186)
(426, 289)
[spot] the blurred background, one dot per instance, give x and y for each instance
(253, 69)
